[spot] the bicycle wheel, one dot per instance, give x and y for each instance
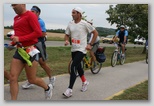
(114, 58)
(147, 57)
(122, 59)
(97, 68)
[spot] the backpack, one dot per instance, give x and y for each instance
(100, 56)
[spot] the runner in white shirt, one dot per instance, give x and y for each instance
(77, 30)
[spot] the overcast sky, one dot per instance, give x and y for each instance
(58, 15)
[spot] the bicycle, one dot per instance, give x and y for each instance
(147, 54)
(117, 56)
(86, 63)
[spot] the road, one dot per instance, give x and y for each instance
(106, 83)
(61, 43)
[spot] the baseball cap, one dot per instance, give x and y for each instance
(78, 9)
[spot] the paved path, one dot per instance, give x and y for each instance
(109, 81)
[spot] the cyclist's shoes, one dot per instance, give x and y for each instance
(123, 55)
(84, 86)
(52, 81)
(27, 85)
(68, 93)
(48, 93)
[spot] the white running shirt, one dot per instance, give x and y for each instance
(78, 33)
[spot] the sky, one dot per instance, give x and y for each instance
(57, 16)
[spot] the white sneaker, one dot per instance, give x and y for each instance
(48, 94)
(68, 92)
(27, 85)
(84, 86)
(52, 81)
(123, 55)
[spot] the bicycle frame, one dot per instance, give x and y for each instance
(87, 61)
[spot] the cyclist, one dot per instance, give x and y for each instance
(42, 47)
(94, 46)
(77, 30)
(122, 34)
(27, 30)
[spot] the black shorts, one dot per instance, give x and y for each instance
(17, 56)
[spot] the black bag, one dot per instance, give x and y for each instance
(100, 56)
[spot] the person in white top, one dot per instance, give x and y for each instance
(77, 30)
(94, 47)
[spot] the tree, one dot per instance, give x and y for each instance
(84, 17)
(133, 16)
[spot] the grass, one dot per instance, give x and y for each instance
(138, 92)
(58, 58)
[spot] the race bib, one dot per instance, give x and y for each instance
(76, 43)
(32, 51)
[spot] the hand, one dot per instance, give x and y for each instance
(66, 42)
(15, 39)
(88, 47)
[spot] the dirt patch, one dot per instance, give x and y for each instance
(49, 34)
(59, 35)
(6, 31)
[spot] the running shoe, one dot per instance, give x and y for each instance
(48, 94)
(27, 85)
(52, 81)
(68, 93)
(84, 86)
